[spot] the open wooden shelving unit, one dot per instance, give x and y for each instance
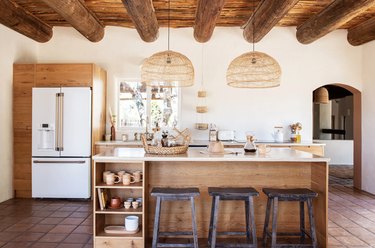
(110, 217)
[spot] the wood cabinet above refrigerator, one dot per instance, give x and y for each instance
(27, 76)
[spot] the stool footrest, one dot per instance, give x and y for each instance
(293, 245)
(288, 234)
(231, 233)
(236, 245)
(174, 245)
(168, 234)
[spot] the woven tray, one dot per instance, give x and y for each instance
(164, 150)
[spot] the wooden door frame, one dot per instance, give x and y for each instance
(357, 133)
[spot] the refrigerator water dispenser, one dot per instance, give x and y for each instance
(46, 137)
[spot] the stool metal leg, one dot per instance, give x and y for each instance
(253, 226)
(312, 223)
(214, 226)
(266, 221)
(211, 221)
(274, 221)
(194, 223)
(247, 217)
(155, 237)
(302, 220)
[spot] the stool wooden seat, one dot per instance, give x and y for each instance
(233, 194)
(296, 194)
(174, 194)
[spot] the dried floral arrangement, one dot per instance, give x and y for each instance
(296, 127)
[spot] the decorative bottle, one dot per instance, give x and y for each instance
(113, 133)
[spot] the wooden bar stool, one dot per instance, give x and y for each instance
(233, 194)
(174, 194)
(298, 194)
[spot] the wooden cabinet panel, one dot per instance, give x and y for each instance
(101, 148)
(27, 76)
(118, 242)
(98, 105)
(66, 75)
(23, 81)
(316, 150)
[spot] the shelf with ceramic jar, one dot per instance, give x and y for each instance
(119, 204)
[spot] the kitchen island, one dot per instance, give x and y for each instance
(281, 167)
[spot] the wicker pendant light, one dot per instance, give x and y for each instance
(321, 96)
(168, 68)
(254, 69)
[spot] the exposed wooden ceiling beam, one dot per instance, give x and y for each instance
(331, 18)
(144, 19)
(80, 17)
(265, 17)
(206, 16)
(362, 33)
(17, 18)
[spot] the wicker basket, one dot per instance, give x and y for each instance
(164, 150)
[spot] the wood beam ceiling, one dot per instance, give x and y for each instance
(265, 17)
(144, 19)
(362, 33)
(79, 16)
(17, 18)
(208, 11)
(314, 19)
(335, 15)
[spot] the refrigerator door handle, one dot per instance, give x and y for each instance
(57, 122)
(61, 122)
(59, 162)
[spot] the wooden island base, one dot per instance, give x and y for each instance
(177, 215)
(282, 168)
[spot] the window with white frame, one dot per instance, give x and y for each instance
(138, 104)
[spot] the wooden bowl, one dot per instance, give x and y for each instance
(201, 109)
(201, 126)
(202, 93)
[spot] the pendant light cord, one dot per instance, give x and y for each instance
(202, 68)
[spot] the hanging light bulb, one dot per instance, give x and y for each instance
(168, 68)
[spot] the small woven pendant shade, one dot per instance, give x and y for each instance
(321, 95)
(167, 69)
(254, 70)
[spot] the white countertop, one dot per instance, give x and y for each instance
(201, 154)
(205, 143)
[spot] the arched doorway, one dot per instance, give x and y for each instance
(355, 132)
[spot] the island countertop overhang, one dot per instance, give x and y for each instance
(201, 154)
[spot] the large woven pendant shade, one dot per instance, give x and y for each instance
(321, 95)
(254, 70)
(167, 69)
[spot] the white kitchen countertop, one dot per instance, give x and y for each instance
(201, 154)
(205, 143)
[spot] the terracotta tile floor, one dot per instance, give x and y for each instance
(45, 223)
(57, 223)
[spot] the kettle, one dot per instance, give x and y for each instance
(278, 134)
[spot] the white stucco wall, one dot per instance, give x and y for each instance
(305, 67)
(368, 118)
(14, 48)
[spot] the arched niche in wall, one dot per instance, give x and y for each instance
(340, 119)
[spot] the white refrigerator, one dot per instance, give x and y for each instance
(61, 142)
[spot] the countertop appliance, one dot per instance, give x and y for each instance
(61, 142)
(226, 135)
